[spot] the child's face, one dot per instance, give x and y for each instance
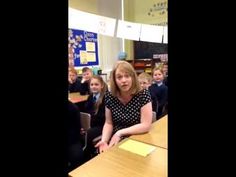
(144, 83)
(158, 76)
(95, 86)
(165, 68)
(72, 76)
(87, 75)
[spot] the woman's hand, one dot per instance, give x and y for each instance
(102, 146)
(115, 140)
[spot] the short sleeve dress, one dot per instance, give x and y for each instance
(124, 116)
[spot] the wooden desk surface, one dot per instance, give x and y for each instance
(158, 135)
(76, 97)
(120, 163)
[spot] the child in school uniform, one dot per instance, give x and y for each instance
(159, 89)
(84, 83)
(95, 106)
(145, 81)
(165, 70)
(74, 83)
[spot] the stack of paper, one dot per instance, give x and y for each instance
(137, 147)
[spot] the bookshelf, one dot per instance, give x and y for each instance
(144, 65)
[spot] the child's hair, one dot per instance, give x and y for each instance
(103, 91)
(156, 69)
(161, 66)
(126, 67)
(86, 69)
(71, 69)
(146, 76)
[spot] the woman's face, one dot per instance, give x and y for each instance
(95, 86)
(123, 80)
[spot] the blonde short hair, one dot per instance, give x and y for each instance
(128, 68)
(156, 69)
(146, 76)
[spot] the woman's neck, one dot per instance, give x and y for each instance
(125, 94)
(125, 97)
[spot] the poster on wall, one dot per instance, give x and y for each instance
(82, 48)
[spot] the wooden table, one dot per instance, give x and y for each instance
(76, 97)
(117, 162)
(157, 136)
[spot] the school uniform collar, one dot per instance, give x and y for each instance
(97, 95)
(159, 83)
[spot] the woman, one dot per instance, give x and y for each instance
(128, 107)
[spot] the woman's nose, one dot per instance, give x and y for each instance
(123, 79)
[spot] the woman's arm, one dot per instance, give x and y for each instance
(143, 127)
(108, 126)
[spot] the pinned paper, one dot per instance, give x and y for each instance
(137, 147)
(90, 46)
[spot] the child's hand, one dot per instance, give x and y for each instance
(70, 81)
(84, 80)
(82, 131)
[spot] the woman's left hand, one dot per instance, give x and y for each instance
(114, 140)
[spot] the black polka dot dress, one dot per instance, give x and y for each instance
(124, 116)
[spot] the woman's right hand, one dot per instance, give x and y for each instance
(102, 146)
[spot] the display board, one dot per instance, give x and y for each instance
(83, 48)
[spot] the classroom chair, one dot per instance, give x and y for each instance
(85, 121)
(154, 116)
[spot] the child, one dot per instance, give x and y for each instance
(84, 84)
(145, 81)
(95, 106)
(165, 70)
(159, 89)
(74, 83)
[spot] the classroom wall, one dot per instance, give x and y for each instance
(134, 10)
(84, 5)
(108, 47)
(138, 11)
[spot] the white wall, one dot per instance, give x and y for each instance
(135, 11)
(109, 47)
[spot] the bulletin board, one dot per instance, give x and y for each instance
(83, 48)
